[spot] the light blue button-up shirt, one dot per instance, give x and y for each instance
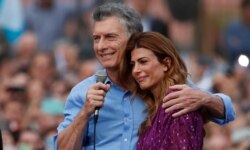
(119, 118)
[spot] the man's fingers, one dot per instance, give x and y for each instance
(99, 92)
(171, 96)
(100, 85)
(105, 87)
(180, 113)
(177, 87)
(96, 103)
(174, 107)
(170, 103)
(97, 97)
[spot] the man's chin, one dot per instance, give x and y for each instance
(110, 66)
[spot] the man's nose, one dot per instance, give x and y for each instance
(102, 44)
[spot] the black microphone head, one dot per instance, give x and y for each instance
(101, 76)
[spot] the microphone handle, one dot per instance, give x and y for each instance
(96, 114)
(97, 111)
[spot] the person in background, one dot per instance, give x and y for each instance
(149, 22)
(120, 117)
(25, 50)
(46, 18)
(87, 68)
(30, 140)
(237, 34)
(45, 63)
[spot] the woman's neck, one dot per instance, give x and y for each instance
(156, 91)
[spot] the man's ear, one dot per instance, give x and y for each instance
(167, 63)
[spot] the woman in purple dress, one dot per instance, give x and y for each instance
(155, 65)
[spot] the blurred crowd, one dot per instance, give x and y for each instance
(53, 51)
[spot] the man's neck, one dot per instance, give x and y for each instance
(113, 75)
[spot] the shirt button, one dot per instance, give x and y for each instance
(125, 140)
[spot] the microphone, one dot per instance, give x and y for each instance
(101, 76)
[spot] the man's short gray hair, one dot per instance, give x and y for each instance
(128, 16)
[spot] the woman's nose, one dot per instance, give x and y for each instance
(136, 68)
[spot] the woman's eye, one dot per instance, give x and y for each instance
(143, 61)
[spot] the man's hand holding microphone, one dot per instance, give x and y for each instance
(96, 94)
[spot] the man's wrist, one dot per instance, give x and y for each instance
(84, 114)
(215, 106)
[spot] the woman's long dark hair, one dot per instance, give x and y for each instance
(163, 48)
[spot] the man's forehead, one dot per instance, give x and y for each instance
(109, 24)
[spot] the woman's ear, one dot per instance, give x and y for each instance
(167, 63)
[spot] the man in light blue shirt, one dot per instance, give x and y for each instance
(121, 114)
(119, 118)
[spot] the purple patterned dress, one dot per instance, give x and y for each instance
(167, 133)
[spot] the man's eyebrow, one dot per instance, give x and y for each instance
(112, 34)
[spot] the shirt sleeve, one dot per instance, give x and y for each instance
(73, 105)
(229, 110)
(228, 106)
(55, 142)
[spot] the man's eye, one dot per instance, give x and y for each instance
(95, 39)
(111, 38)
